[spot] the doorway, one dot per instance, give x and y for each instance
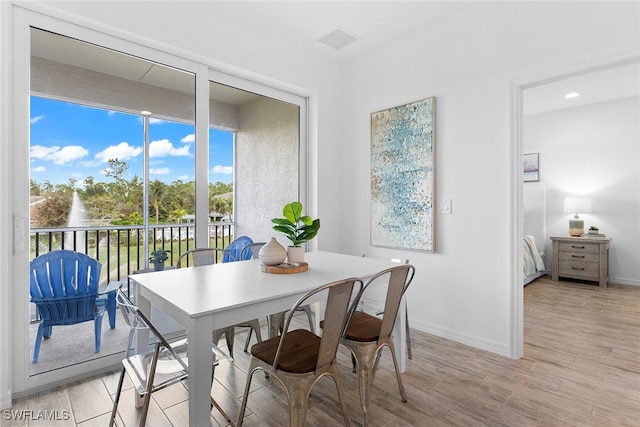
(586, 146)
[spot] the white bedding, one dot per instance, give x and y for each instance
(532, 262)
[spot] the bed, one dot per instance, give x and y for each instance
(535, 230)
(532, 262)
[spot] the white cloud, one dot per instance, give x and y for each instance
(38, 169)
(57, 155)
(222, 169)
(122, 151)
(159, 171)
(164, 147)
(189, 138)
(36, 119)
(154, 121)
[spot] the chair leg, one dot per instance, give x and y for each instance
(245, 396)
(36, 350)
(343, 403)
(307, 309)
(150, 380)
(116, 400)
(219, 408)
(98, 330)
(111, 310)
(254, 325)
(298, 397)
(403, 393)
(246, 343)
(406, 312)
(365, 358)
(229, 336)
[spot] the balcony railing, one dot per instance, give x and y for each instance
(120, 249)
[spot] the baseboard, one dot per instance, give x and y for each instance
(623, 281)
(462, 338)
(5, 400)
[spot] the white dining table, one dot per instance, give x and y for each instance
(220, 295)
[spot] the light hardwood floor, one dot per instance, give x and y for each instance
(581, 368)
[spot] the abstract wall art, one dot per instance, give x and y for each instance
(402, 176)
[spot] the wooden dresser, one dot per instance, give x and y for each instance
(582, 258)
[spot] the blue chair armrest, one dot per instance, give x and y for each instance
(113, 286)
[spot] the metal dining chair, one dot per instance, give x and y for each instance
(364, 307)
(299, 358)
(366, 335)
(153, 367)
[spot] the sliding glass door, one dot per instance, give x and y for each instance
(121, 149)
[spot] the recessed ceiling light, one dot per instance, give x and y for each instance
(338, 39)
(572, 95)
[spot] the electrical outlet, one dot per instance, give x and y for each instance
(444, 206)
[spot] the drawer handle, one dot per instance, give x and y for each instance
(577, 247)
(577, 256)
(577, 268)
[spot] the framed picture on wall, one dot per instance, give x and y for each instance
(402, 176)
(531, 167)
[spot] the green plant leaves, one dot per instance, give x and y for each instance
(297, 227)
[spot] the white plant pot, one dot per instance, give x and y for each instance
(295, 254)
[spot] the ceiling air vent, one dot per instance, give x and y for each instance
(338, 39)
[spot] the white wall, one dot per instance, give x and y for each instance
(468, 63)
(594, 151)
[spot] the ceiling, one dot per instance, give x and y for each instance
(600, 86)
(303, 23)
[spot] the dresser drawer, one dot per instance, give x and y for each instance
(587, 248)
(579, 256)
(579, 269)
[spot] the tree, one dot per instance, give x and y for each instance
(54, 211)
(157, 191)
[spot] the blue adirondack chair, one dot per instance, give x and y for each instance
(235, 249)
(64, 288)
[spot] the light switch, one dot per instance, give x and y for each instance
(444, 206)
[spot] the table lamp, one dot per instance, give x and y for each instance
(577, 205)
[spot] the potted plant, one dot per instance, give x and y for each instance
(298, 228)
(158, 257)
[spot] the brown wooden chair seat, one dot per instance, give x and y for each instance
(363, 327)
(299, 353)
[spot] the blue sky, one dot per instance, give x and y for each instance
(75, 141)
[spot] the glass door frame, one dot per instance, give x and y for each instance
(22, 17)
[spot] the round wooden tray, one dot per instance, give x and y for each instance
(284, 268)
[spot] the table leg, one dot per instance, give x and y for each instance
(200, 372)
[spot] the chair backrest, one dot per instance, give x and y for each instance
(138, 323)
(252, 251)
(64, 285)
(398, 278)
(235, 248)
(335, 318)
(202, 256)
(154, 357)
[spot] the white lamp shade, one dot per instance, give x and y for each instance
(577, 205)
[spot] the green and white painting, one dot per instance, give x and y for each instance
(402, 176)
